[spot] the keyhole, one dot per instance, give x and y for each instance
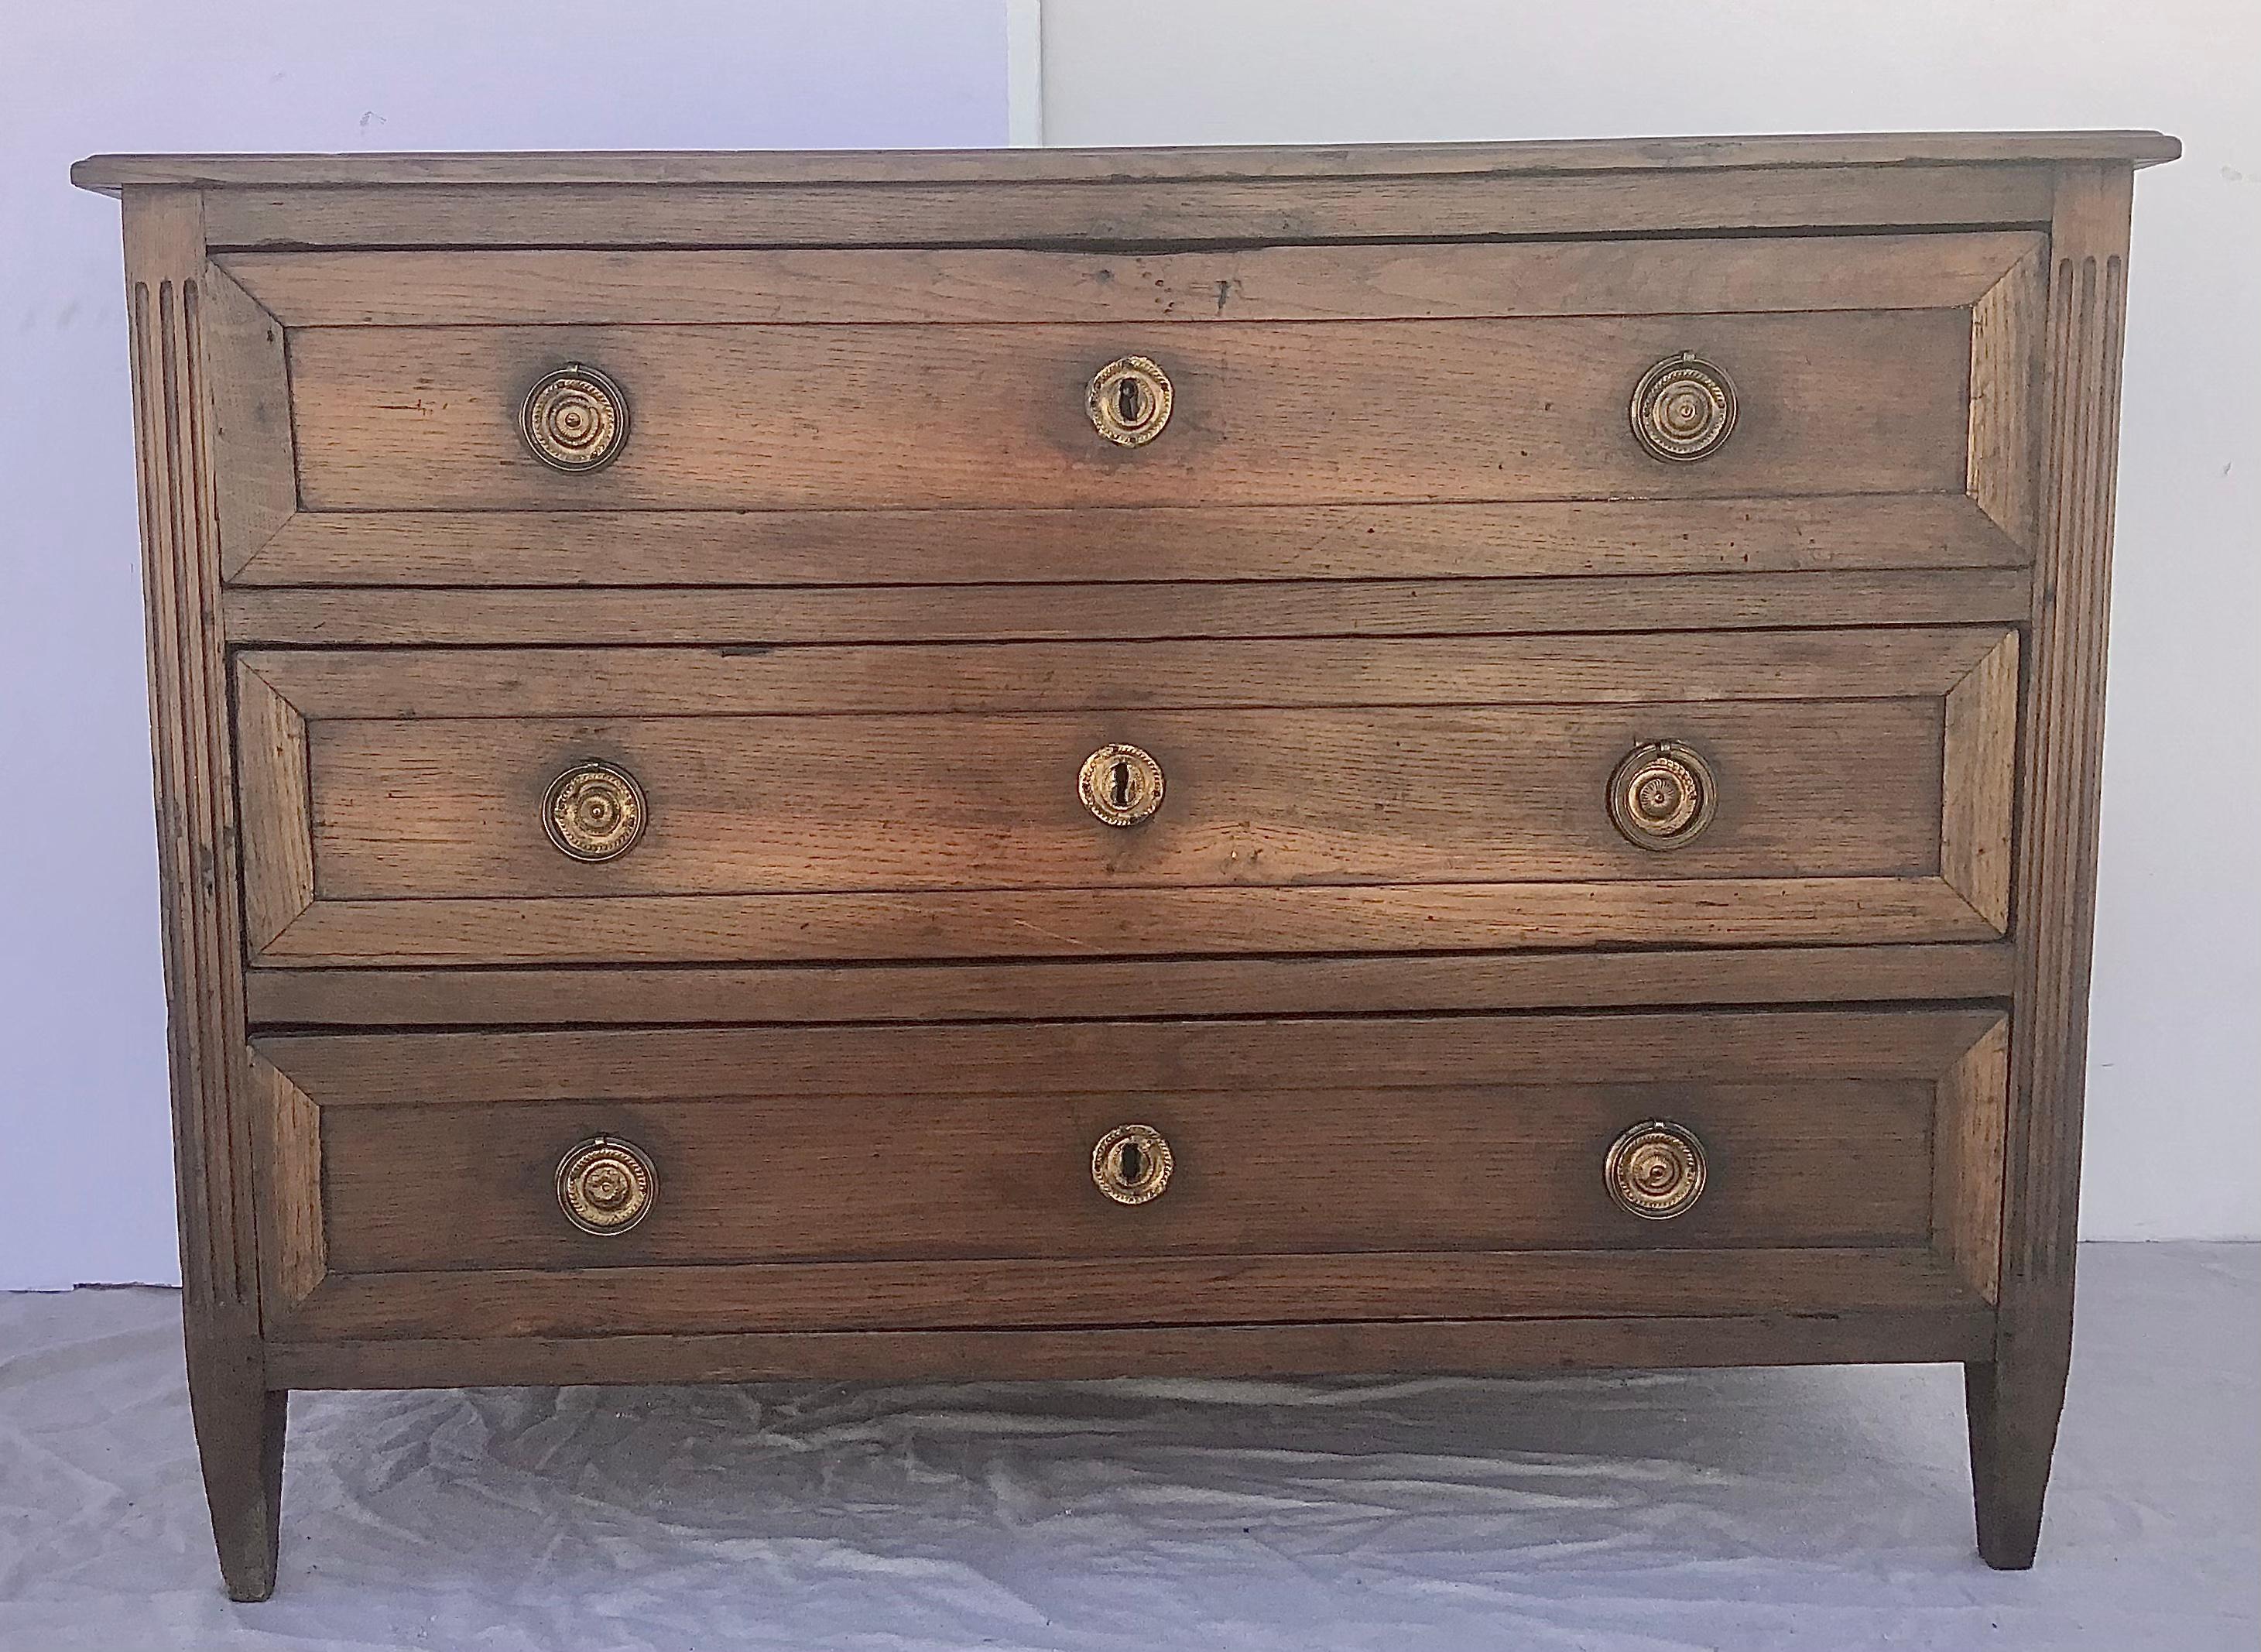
(1130, 1163)
(1130, 402)
(1120, 784)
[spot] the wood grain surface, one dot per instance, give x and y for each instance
(1178, 544)
(439, 810)
(1264, 413)
(1132, 212)
(1125, 610)
(1344, 1288)
(1129, 922)
(583, 287)
(959, 833)
(1385, 1146)
(883, 1179)
(1931, 1334)
(733, 679)
(996, 990)
(239, 1419)
(2016, 1396)
(1205, 1055)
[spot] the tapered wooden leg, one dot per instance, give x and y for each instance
(2014, 1399)
(239, 1422)
(2013, 1403)
(178, 305)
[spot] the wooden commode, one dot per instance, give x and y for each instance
(1064, 762)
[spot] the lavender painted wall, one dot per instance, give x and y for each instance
(83, 1111)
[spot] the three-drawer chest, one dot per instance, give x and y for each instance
(1472, 757)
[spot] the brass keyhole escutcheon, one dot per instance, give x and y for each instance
(1684, 409)
(605, 1185)
(1130, 401)
(575, 419)
(1662, 795)
(1121, 784)
(594, 811)
(1131, 1164)
(1656, 1170)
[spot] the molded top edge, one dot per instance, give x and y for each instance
(111, 173)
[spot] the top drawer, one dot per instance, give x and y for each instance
(1286, 377)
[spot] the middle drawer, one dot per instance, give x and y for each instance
(1029, 799)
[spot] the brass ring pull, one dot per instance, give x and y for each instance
(1656, 1170)
(1662, 795)
(1684, 409)
(575, 419)
(594, 812)
(1130, 401)
(1120, 784)
(605, 1185)
(1132, 1164)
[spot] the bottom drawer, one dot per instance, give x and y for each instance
(1133, 1173)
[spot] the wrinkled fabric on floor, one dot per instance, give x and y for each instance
(1823, 1509)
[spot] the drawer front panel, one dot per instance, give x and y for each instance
(1261, 413)
(885, 1178)
(1336, 413)
(759, 805)
(1848, 1130)
(1846, 791)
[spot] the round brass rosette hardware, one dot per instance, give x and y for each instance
(575, 419)
(1684, 409)
(1130, 401)
(1132, 1164)
(594, 811)
(1120, 784)
(1656, 1170)
(1661, 796)
(605, 1185)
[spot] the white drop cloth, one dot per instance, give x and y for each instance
(1817, 1509)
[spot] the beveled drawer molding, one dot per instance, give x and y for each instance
(1448, 757)
(1865, 797)
(1518, 1112)
(1821, 331)
(936, 550)
(1443, 280)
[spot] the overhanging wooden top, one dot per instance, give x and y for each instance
(111, 173)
